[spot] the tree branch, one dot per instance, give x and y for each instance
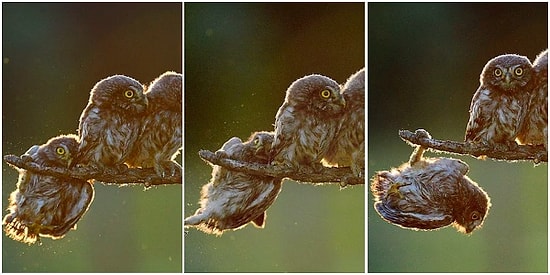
(146, 176)
(532, 153)
(342, 175)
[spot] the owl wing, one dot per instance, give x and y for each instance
(413, 220)
(77, 199)
(479, 114)
(285, 130)
(88, 135)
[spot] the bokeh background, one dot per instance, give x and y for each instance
(53, 54)
(239, 61)
(424, 65)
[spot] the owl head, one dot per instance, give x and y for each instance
(472, 213)
(541, 63)
(259, 145)
(119, 93)
(509, 73)
(356, 82)
(58, 151)
(166, 92)
(316, 94)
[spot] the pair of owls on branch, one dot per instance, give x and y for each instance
(511, 103)
(120, 124)
(322, 122)
(319, 120)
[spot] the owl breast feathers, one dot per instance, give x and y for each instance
(233, 199)
(348, 147)
(534, 129)
(111, 122)
(307, 121)
(45, 205)
(161, 138)
(429, 194)
(499, 104)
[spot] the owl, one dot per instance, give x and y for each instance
(307, 122)
(161, 139)
(348, 147)
(233, 199)
(499, 104)
(534, 128)
(111, 122)
(44, 205)
(430, 193)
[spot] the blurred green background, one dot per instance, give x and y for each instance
(53, 54)
(424, 65)
(239, 61)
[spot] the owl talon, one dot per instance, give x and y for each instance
(394, 189)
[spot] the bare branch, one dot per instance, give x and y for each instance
(342, 175)
(535, 154)
(146, 176)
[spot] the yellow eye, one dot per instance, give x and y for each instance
(60, 150)
(497, 72)
(518, 71)
(129, 93)
(475, 216)
(325, 93)
(256, 141)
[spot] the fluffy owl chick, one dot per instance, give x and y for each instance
(111, 122)
(233, 199)
(534, 129)
(499, 104)
(307, 121)
(44, 205)
(161, 140)
(348, 147)
(430, 193)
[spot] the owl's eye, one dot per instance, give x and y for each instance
(60, 150)
(256, 141)
(475, 216)
(129, 93)
(518, 71)
(325, 93)
(497, 72)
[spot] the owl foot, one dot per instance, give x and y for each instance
(394, 190)
(167, 168)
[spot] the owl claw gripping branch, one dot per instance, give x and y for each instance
(430, 193)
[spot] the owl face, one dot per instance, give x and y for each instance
(120, 93)
(261, 143)
(58, 151)
(317, 94)
(476, 208)
(508, 73)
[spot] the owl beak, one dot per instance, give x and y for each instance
(258, 146)
(507, 78)
(69, 161)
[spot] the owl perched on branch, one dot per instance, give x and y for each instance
(534, 129)
(233, 199)
(499, 104)
(161, 138)
(348, 147)
(45, 205)
(111, 122)
(307, 121)
(430, 193)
